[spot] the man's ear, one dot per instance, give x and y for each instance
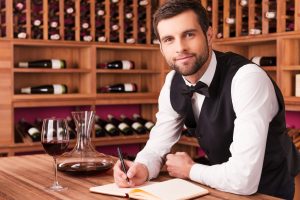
(209, 35)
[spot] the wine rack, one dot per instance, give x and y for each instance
(105, 21)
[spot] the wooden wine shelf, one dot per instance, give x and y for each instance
(269, 68)
(38, 100)
(127, 98)
(131, 71)
(24, 70)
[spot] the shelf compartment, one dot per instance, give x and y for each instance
(127, 98)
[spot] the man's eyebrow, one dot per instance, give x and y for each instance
(184, 32)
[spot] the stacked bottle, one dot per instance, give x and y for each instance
(100, 13)
(114, 21)
(220, 20)
(257, 24)
(142, 18)
(85, 21)
(25, 130)
(245, 19)
(53, 22)
(69, 20)
(2, 18)
(128, 22)
(271, 16)
(19, 19)
(290, 16)
(36, 19)
(231, 19)
(154, 6)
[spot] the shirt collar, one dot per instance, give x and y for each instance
(209, 73)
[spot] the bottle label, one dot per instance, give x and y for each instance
(128, 87)
(122, 126)
(59, 89)
(254, 31)
(57, 64)
(32, 131)
(149, 125)
(230, 20)
(109, 127)
(136, 125)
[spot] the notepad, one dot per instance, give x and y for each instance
(172, 189)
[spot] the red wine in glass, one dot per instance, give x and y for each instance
(55, 140)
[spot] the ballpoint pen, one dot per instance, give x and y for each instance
(122, 163)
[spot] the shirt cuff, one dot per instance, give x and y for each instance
(196, 173)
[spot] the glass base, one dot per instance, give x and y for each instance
(56, 187)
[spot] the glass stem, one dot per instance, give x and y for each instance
(55, 172)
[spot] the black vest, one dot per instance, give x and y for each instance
(214, 128)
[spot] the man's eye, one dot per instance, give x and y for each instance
(167, 40)
(190, 34)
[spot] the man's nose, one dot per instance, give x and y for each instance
(181, 46)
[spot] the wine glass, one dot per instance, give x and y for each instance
(55, 140)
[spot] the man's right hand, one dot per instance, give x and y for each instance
(137, 174)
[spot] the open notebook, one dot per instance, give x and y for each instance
(167, 190)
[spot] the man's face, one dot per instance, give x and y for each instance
(183, 43)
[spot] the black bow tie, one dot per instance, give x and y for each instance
(200, 88)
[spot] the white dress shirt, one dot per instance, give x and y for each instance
(254, 103)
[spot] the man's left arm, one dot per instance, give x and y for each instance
(255, 104)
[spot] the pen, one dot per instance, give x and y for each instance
(122, 162)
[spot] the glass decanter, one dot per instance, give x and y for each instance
(84, 159)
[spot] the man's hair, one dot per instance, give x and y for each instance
(172, 8)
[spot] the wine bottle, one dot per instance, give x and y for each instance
(107, 126)
(129, 40)
(148, 124)
(19, 6)
(85, 36)
(143, 2)
(136, 126)
(45, 89)
(71, 127)
(69, 34)
(54, 22)
(69, 6)
(254, 31)
(230, 20)
(38, 123)
(264, 60)
(54, 34)
(28, 129)
(53, 63)
(270, 14)
(114, 36)
(117, 64)
(122, 126)
(120, 87)
(37, 33)
(243, 3)
(21, 33)
(69, 21)
(99, 131)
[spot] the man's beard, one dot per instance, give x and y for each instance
(200, 61)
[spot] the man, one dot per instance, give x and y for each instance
(234, 108)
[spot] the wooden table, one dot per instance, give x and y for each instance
(25, 177)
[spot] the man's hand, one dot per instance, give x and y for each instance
(179, 165)
(137, 174)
